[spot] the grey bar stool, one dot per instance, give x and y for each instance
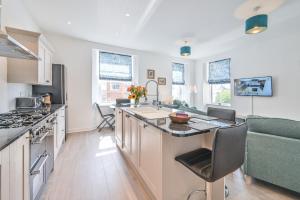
(226, 156)
(122, 101)
(224, 114)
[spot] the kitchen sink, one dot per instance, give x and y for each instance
(150, 112)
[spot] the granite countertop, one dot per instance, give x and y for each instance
(198, 124)
(9, 135)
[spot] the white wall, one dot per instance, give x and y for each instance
(274, 53)
(13, 14)
(77, 56)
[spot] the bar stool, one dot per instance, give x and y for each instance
(226, 156)
(224, 114)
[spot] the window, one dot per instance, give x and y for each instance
(178, 74)
(179, 90)
(219, 80)
(115, 76)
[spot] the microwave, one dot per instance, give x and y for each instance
(29, 102)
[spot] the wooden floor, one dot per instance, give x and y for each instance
(90, 167)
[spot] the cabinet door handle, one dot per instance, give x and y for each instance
(127, 116)
(120, 112)
(47, 81)
(145, 125)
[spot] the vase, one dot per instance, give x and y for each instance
(136, 102)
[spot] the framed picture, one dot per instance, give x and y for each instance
(161, 81)
(150, 74)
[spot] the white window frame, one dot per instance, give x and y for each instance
(219, 104)
(134, 70)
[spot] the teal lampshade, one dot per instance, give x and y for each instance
(256, 24)
(185, 51)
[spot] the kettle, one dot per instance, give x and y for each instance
(47, 98)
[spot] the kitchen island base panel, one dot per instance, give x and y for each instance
(178, 181)
(152, 151)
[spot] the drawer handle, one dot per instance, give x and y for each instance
(145, 125)
(38, 167)
(127, 116)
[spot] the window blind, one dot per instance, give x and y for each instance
(115, 67)
(178, 74)
(219, 72)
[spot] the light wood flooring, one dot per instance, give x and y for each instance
(90, 167)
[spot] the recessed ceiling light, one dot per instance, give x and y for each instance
(127, 15)
(69, 22)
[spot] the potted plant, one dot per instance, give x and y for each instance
(136, 92)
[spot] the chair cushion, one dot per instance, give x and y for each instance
(199, 162)
(274, 126)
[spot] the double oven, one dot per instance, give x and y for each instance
(41, 155)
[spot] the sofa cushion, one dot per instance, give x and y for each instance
(274, 126)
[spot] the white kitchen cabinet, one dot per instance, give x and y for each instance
(61, 125)
(19, 169)
(131, 138)
(4, 174)
(150, 157)
(127, 133)
(59, 130)
(14, 168)
(134, 149)
(36, 72)
(119, 127)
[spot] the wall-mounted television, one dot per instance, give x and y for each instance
(257, 86)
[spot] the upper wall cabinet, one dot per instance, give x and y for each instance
(30, 71)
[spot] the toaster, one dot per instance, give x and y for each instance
(29, 102)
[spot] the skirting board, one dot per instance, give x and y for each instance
(81, 130)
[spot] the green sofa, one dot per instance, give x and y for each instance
(273, 151)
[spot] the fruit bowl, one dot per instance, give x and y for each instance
(179, 118)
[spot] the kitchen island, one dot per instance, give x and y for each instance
(151, 144)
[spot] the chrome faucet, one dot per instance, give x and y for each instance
(157, 94)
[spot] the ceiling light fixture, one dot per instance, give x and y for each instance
(257, 23)
(185, 50)
(127, 15)
(69, 22)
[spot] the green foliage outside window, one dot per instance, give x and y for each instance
(223, 96)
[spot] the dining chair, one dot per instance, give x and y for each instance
(107, 119)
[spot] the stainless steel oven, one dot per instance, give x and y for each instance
(42, 155)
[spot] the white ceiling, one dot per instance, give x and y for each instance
(153, 25)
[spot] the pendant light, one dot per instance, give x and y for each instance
(256, 24)
(185, 50)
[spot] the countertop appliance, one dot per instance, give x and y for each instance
(19, 118)
(29, 102)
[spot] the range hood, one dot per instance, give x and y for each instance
(9, 47)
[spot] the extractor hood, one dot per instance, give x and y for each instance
(9, 47)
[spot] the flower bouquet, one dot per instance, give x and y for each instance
(136, 92)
